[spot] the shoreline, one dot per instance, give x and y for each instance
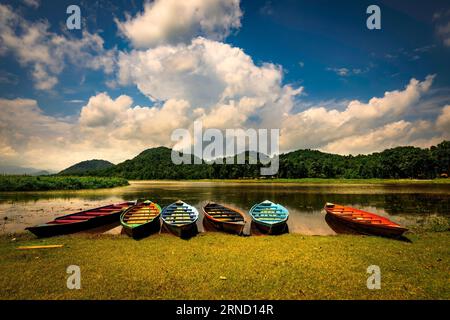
(300, 182)
(305, 182)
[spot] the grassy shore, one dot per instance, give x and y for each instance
(44, 183)
(220, 266)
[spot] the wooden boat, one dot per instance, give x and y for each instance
(82, 220)
(224, 218)
(270, 217)
(141, 220)
(181, 219)
(363, 221)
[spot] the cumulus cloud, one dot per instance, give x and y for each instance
(116, 129)
(101, 110)
(106, 128)
(174, 21)
(213, 77)
(26, 131)
(118, 119)
(443, 121)
(334, 130)
(45, 52)
(388, 136)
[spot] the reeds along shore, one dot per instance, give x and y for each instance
(10, 183)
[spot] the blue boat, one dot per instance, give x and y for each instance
(181, 219)
(270, 217)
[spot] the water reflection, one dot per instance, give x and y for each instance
(402, 204)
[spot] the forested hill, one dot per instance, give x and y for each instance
(87, 167)
(156, 163)
(400, 162)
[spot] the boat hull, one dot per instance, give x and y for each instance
(228, 227)
(367, 229)
(143, 230)
(274, 229)
(180, 219)
(141, 220)
(269, 217)
(184, 231)
(361, 222)
(50, 230)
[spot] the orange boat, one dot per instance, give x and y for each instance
(364, 222)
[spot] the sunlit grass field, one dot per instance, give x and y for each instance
(221, 266)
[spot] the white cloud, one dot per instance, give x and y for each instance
(115, 129)
(174, 21)
(101, 110)
(444, 32)
(318, 127)
(118, 122)
(388, 136)
(25, 130)
(442, 26)
(210, 75)
(107, 128)
(346, 72)
(32, 3)
(343, 72)
(46, 52)
(443, 121)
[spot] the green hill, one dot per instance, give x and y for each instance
(395, 163)
(86, 167)
(156, 163)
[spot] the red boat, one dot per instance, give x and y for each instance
(363, 221)
(82, 220)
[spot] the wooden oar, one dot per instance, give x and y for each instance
(51, 246)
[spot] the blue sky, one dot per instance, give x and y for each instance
(322, 47)
(307, 38)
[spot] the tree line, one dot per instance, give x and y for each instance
(395, 163)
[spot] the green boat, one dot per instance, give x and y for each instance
(141, 220)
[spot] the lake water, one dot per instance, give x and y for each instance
(404, 204)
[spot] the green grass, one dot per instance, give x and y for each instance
(270, 267)
(44, 183)
(313, 181)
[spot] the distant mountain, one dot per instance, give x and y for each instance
(87, 167)
(17, 170)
